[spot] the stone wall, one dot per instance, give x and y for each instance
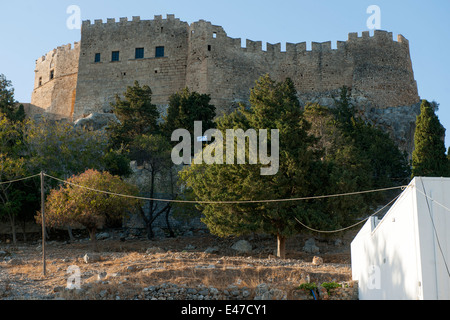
(99, 82)
(202, 57)
(55, 82)
(377, 67)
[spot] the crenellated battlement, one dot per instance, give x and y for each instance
(205, 30)
(170, 54)
(61, 49)
(126, 21)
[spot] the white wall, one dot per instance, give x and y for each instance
(398, 258)
(434, 234)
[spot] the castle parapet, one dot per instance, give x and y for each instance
(254, 46)
(273, 48)
(321, 46)
(126, 20)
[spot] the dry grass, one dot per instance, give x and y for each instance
(129, 269)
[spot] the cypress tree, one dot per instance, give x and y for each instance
(429, 157)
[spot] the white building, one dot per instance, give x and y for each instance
(406, 255)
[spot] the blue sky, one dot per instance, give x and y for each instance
(31, 28)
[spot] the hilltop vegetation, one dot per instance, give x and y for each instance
(322, 151)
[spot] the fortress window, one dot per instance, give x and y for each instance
(214, 35)
(97, 57)
(52, 74)
(209, 47)
(139, 53)
(40, 81)
(115, 56)
(159, 53)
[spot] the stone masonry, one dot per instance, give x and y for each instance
(169, 54)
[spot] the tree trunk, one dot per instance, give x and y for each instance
(281, 246)
(24, 230)
(13, 228)
(93, 236)
(71, 237)
(150, 234)
(172, 234)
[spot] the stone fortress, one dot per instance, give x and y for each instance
(74, 82)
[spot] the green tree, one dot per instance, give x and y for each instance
(8, 105)
(81, 206)
(12, 167)
(429, 159)
(61, 150)
(140, 136)
(152, 154)
(348, 170)
(387, 164)
(185, 108)
(137, 116)
(272, 106)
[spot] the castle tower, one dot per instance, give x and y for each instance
(115, 54)
(55, 81)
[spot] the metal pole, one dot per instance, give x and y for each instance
(43, 223)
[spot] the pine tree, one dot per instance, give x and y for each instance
(8, 105)
(186, 107)
(136, 113)
(272, 106)
(429, 157)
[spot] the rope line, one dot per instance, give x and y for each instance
(440, 204)
(349, 227)
(434, 228)
(224, 202)
(21, 179)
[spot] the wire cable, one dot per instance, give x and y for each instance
(349, 227)
(224, 202)
(21, 179)
(434, 228)
(440, 204)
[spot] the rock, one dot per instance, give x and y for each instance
(189, 247)
(323, 293)
(245, 293)
(91, 257)
(188, 233)
(14, 262)
(264, 292)
(131, 269)
(96, 121)
(317, 261)
(103, 236)
(212, 250)
(102, 276)
(204, 292)
(103, 293)
(310, 246)
(242, 246)
(191, 291)
(58, 289)
(154, 250)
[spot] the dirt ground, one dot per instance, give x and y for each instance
(126, 268)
